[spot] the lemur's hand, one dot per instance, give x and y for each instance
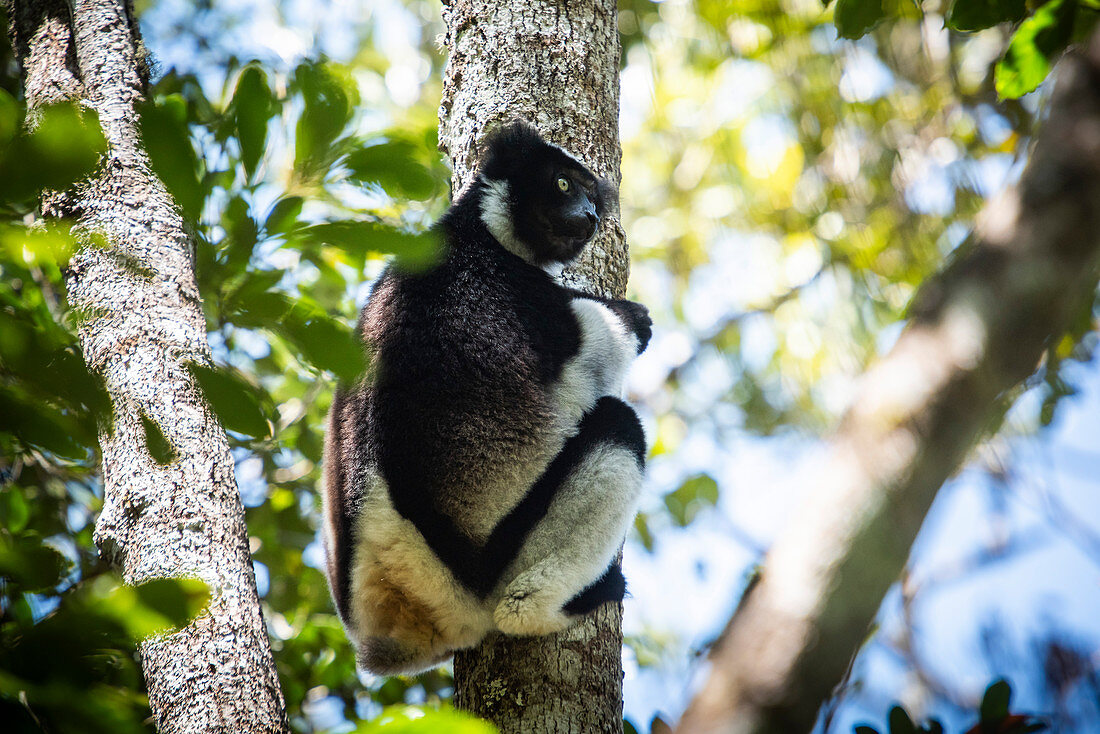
(636, 317)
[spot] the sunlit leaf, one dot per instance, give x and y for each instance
(154, 607)
(1033, 49)
(695, 494)
(50, 244)
(393, 165)
(65, 145)
(324, 342)
(329, 95)
(283, 215)
(417, 720)
(252, 106)
(413, 250)
(233, 398)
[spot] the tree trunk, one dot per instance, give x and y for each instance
(555, 63)
(145, 322)
(978, 329)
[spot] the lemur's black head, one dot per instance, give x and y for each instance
(538, 201)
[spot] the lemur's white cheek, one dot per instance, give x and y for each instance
(496, 214)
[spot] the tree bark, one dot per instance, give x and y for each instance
(144, 323)
(555, 63)
(977, 330)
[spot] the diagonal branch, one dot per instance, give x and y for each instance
(977, 330)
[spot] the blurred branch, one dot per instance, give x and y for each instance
(977, 330)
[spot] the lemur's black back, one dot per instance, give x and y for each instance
(462, 359)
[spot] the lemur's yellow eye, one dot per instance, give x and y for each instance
(563, 184)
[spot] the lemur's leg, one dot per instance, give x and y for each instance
(585, 522)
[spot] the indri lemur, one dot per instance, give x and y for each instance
(483, 474)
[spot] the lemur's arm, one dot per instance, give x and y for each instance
(634, 316)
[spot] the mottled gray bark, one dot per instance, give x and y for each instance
(144, 323)
(555, 63)
(978, 329)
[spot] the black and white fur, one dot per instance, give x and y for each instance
(484, 473)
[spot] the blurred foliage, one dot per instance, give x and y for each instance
(995, 717)
(1048, 28)
(784, 194)
(68, 628)
(415, 720)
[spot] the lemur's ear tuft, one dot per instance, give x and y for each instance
(509, 147)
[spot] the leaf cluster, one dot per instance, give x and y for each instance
(1042, 31)
(996, 717)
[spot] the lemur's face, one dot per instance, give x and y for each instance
(563, 216)
(540, 203)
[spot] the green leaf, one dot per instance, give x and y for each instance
(242, 233)
(692, 496)
(413, 250)
(158, 445)
(645, 535)
(164, 131)
(323, 342)
(42, 425)
(330, 96)
(179, 600)
(252, 106)
(283, 216)
(30, 563)
(393, 165)
(418, 720)
(64, 147)
(14, 509)
(853, 18)
(996, 700)
(976, 15)
(154, 607)
(10, 111)
(233, 398)
(900, 723)
(1033, 48)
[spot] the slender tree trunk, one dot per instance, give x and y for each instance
(555, 63)
(144, 323)
(978, 329)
